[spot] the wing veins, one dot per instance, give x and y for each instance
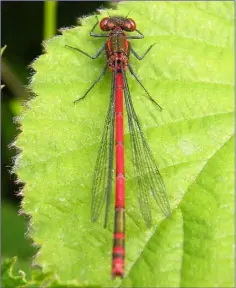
(147, 175)
(102, 177)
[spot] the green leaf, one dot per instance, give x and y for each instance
(38, 278)
(8, 280)
(3, 49)
(190, 73)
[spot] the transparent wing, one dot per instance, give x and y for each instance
(102, 177)
(148, 178)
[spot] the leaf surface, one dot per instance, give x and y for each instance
(190, 73)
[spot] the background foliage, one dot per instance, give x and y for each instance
(23, 34)
(196, 146)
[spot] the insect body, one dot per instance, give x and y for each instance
(148, 179)
(117, 48)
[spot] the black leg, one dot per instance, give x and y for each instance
(95, 34)
(94, 83)
(85, 53)
(141, 57)
(140, 36)
(149, 96)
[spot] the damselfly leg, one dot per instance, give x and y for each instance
(141, 84)
(94, 83)
(91, 57)
(145, 53)
(95, 56)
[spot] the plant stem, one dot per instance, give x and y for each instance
(50, 15)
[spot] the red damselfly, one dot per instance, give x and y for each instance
(147, 176)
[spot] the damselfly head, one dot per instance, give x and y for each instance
(110, 23)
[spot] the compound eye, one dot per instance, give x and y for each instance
(129, 25)
(104, 24)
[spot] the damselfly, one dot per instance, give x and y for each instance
(147, 176)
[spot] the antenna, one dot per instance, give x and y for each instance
(128, 13)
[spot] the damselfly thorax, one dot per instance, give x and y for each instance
(117, 49)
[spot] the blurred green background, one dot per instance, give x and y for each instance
(24, 26)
